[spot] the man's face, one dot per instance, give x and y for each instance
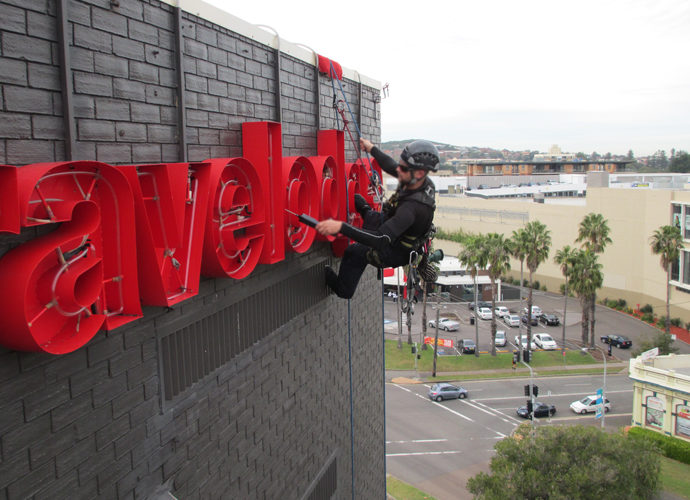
(405, 173)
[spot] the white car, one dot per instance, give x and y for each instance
(446, 324)
(500, 338)
(501, 311)
(536, 311)
(512, 320)
(523, 341)
(588, 405)
(484, 313)
(544, 341)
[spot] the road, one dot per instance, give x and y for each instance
(438, 446)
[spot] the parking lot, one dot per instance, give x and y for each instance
(608, 322)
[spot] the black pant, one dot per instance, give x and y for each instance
(355, 259)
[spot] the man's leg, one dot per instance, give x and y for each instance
(352, 266)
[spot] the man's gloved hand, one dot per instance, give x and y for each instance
(361, 205)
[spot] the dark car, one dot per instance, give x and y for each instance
(534, 320)
(540, 410)
(617, 341)
(468, 346)
(549, 319)
(481, 304)
(443, 390)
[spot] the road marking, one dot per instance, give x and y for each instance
(506, 418)
(552, 395)
(454, 452)
(579, 417)
(418, 441)
(437, 404)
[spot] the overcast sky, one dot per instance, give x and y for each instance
(590, 75)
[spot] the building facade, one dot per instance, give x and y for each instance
(261, 387)
(661, 394)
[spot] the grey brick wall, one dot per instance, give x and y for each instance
(95, 423)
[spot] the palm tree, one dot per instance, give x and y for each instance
(498, 262)
(518, 249)
(539, 243)
(586, 277)
(594, 234)
(473, 256)
(667, 242)
(564, 258)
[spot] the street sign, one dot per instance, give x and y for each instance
(599, 401)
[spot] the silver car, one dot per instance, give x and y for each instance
(443, 390)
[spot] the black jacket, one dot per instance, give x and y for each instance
(408, 214)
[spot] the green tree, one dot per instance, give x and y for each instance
(593, 233)
(661, 340)
(538, 239)
(564, 258)
(585, 278)
(518, 249)
(497, 250)
(473, 255)
(667, 243)
(680, 162)
(569, 462)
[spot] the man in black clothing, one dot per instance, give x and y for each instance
(387, 238)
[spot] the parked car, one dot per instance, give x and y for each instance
(468, 346)
(549, 319)
(544, 341)
(512, 320)
(588, 405)
(534, 321)
(500, 338)
(540, 410)
(443, 390)
(445, 324)
(481, 303)
(617, 341)
(536, 311)
(484, 313)
(501, 311)
(522, 340)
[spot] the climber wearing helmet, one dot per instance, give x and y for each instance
(387, 238)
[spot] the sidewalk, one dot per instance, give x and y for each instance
(418, 377)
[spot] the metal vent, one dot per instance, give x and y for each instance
(191, 353)
(326, 483)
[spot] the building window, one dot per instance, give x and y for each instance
(676, 215)
(675, 270)
(686, 231)
(686, 268)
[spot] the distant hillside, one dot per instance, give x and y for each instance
(450, 151)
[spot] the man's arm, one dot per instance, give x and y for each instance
(388, 164)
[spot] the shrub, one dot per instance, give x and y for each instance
(670, 446)
(535, 285)
(647, 309)
(613, 304)
(687, 326)
(543, 288)
(676, 322)
(622, 303)
(628, 310)
(647, 317)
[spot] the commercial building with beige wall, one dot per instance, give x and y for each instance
(631, 271)
(661, 394)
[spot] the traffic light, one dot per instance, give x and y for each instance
(517, 356)
(527, 390)
(414, 349)
(529, 408)
(527, 355)
(535, 390)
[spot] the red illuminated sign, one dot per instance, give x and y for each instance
(122, 236)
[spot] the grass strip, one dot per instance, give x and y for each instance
(675, 477)
(404, 359)
(403, 491)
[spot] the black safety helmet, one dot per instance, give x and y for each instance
(421, 155)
